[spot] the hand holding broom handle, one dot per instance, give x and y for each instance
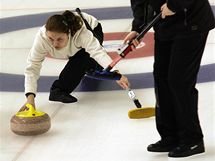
(127, 48)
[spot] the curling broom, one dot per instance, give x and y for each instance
(107, 74)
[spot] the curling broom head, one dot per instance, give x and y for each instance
(139, 113)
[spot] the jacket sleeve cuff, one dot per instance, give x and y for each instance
(172, 6)
(29, 93)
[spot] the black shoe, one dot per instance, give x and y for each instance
(60, 96)
(161, 146)
(187, 150)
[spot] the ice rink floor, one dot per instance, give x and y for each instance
(97, 127)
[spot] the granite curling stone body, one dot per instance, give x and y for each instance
(30, 122)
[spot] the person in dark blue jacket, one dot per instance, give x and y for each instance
(180, 38)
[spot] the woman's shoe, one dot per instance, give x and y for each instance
(187, 150)
(60, 96)
(161, 146)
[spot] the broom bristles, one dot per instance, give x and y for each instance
(139, 113)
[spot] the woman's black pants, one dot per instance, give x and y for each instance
(176, 67)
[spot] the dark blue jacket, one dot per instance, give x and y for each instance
(191, 16)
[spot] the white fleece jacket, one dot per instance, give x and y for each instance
(83, 38)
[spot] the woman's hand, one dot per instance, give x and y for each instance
(30, 100)
(123, 82)
(166, 11)
(130, 37)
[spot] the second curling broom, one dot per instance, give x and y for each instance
(106, 74)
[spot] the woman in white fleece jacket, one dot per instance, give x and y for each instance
(66, 36)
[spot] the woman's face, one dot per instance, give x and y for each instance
(58, 40)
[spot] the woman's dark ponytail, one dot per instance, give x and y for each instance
(74, 22)
(68, 22)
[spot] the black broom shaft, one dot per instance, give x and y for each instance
(148, 27)
(137, 103)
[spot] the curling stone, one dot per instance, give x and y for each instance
(30, 122)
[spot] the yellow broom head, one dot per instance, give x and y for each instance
(139, 113)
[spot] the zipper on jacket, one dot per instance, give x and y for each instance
(185, 16)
